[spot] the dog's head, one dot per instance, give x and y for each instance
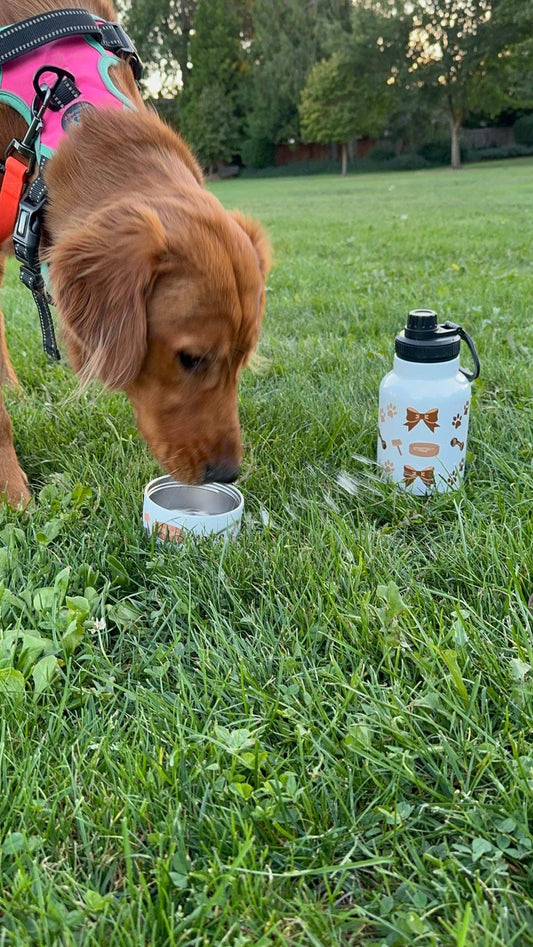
(165, 301)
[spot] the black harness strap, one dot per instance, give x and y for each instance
(45, 318)
(23, 37)
(26, 239)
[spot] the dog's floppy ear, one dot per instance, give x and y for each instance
(101, 275)
(258, 239)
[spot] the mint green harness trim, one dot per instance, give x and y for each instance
(9, 98)
(104, 65)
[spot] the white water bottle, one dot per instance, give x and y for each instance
(424, 406)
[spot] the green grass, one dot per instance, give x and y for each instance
(321, 734)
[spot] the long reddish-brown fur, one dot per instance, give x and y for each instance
(149, 274)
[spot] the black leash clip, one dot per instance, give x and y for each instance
(26, 147)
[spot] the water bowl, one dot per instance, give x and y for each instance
(173, 510)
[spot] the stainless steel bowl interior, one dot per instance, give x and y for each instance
(202, 500)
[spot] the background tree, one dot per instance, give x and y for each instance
(161, 31)
(461, 54)
(351, 93)
(214, 92)
(328, 110)
(520, 74)
(289, 37)
(213, 128)
(236, 70)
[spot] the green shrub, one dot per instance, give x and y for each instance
(496, 154)
(407, 162)
(258, 153)
(404, 162)
(294, 169)
(523, 131)
(437, 150)
(382, 153)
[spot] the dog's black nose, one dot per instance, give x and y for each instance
(223, 472)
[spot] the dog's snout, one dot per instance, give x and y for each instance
(221, 472)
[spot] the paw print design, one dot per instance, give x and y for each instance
(388, 467)
(453, 479)
(382, 415)
(392, 410)
(456, 420)
(466, 408)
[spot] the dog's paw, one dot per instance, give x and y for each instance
(16, 489)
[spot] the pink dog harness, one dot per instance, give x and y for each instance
(79, 54)
(37, 60)
(66, 40)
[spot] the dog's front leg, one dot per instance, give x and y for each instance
(7, 372)
(13, 480)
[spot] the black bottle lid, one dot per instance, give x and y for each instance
(424, 340)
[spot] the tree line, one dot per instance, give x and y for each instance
(242, 76)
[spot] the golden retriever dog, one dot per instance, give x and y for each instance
(159, 290)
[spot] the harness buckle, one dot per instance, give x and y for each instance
(124, 46)
(23, 151)
(27, 234)
(31, 278)
(26, 153)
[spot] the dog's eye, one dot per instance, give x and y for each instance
(192, 363)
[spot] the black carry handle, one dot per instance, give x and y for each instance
(470, 342)
(26, 35)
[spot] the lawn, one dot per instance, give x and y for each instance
(321, 734)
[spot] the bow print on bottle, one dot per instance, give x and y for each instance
(430, 418)
(426, 475)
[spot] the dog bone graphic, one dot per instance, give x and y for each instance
(457, 443)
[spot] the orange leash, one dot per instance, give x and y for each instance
(10, 195)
